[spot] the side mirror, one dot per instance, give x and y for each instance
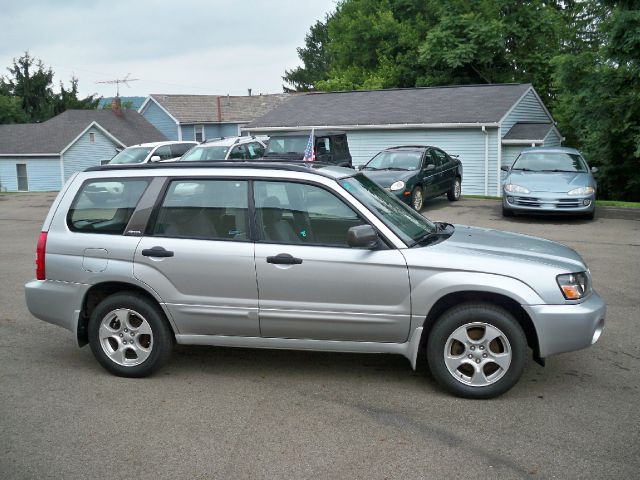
(594, 169)
(504, 168)
(362, 236)
(360, 167)
(155, 158)
(429, 167)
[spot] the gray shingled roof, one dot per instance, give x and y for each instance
(56, 133)
(528, 131)
(204, 108)
(432, 105)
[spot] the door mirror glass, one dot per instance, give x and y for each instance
(155, 158)
(504, 168)
(429, 167)
(362, 236)
(594, 169)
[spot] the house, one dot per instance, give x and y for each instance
(199, 117)
(42, 156)
(485, 125)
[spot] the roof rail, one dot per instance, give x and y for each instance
(307, 167)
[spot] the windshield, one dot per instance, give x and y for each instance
(550, 162)
(131, 155)
(287, 145)
(409, 225)
(395, 161)
(205, 153)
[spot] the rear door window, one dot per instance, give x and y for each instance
(105, 206)
(179, 149)
(204, 209)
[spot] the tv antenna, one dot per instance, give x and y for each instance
(118, 81)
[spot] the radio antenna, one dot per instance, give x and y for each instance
(118, 81)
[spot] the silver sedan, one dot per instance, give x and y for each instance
(549, 180)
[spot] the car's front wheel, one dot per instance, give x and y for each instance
(129, 335)
(456, 190)
(417, 199)
(477, 350)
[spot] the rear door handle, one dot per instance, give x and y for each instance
(157, 252)
(284, 259)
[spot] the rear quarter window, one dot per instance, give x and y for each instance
(105, 206)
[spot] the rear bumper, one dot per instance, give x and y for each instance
(56, 302)
(565, 328)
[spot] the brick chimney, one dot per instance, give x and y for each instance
(116, 106)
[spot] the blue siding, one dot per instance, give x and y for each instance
(552, 139)
(468, 143)
(43, 173)
(529, 109)
(84, 153)
(211, 130)
(159, 119)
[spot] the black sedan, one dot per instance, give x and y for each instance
(416, 172)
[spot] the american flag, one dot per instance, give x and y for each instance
(309, 154)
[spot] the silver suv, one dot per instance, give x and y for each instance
(268, 255)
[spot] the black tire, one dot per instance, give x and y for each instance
(159, 341)
(456, 190)
(507, 213)
(591, 215)
(417, 199)
(472, 318)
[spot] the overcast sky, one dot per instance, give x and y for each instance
(183, 46)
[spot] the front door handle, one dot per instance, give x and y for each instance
(284, 259)
(157, 252)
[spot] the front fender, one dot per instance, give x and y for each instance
(427, 287)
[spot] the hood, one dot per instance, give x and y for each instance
(556, 182)
(515, 246)
(385, 178)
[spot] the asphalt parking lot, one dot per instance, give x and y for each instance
(240, 413)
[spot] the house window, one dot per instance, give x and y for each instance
(21, 173)
(199, 133)
(92, 137)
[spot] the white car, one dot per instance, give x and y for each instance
(152, 152)
(230, 148)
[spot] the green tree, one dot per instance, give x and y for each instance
(29, 85)
(11, 110)
(599, 102)
(68, 99)
(314, 57)
(31, 81)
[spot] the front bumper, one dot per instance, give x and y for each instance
(565, 328)
(545, 202)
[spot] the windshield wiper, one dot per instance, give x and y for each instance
(558, 170)
(442, 230)
(394, 168)
(523, 169)
(369, 168)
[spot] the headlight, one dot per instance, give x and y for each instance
(581, 191)
(511, 188)
(399, 185)
(574, 286)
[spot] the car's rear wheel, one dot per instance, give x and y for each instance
(456, 190)
(477, 350)
(417, 199)
(129, 335)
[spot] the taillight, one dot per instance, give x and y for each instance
(40, 251)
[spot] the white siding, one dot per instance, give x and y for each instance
(552, 139)
(469, 144)
(511, 152)
(84, 153)
(529, 109)
(43, 173)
